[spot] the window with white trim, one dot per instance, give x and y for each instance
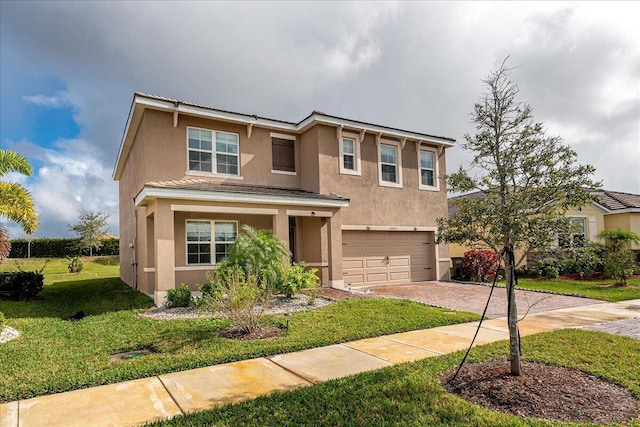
(225, 235)
(213, 151)
(349, 156)
(427, 169)
(200, 243)
(575, 238)
(390, 165)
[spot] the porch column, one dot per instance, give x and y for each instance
(164, 250)
(334, 241)
(281, 226)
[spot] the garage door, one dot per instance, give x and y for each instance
(386, 257)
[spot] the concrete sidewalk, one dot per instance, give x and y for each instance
(157, 398)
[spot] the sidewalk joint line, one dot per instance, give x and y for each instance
(364, 352)
(309, 380)
(415, 346)
(171, 395)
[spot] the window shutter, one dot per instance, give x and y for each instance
(283, 154)
(593, 231)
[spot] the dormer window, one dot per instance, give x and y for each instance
(213, 151)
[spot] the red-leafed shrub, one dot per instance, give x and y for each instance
(480, 264)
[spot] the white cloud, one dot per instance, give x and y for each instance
(61, 99)
(71, 178)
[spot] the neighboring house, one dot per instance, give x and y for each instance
(355, 200)
(608, 211)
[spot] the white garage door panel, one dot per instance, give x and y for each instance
(373, 257)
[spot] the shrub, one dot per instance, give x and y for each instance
(588, 260)
(23, 284)
(2, 321)
(74, 264)
(296, 278)
(58, 248)
(258, 253)
(480, 264)
(179, 297)
(549, 267)
(619, 265)
(234, 295)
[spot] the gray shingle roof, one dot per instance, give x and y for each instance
(615, 200)
(204, 185)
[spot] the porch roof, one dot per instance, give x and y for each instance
(203, 190)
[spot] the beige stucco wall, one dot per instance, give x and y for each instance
(629, 221)
(159, 153)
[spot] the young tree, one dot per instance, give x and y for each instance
(620, 261)
(527, 180)
(16, 203)
(90, 229)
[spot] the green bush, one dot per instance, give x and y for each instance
(549, 267)
(619, 265)
(2, 320)
(179, 297)
(258, 253)
(296, 278)
(74, 264)
(22, 284)
(59, 248)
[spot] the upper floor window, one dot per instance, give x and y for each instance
(390, 165)
(199, 242)
(283, 153)
(213, 151)
(349, 156)
(427, 169)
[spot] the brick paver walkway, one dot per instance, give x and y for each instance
(628, 328)
(468, 297)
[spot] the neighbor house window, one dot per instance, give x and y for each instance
(576, 237)
(225, 235)
(213, 151)
(283, 153)
(390, 173)
(349, 156)
(427, 169)
(200, 243)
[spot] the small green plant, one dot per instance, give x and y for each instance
(179, 297)
(23, 284)
(233, 295)
(74, 264)
(549, 268)
(296, 278)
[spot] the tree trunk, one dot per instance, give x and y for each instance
(512, 312)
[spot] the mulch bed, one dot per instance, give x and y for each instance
(543, 391)
(259, 334)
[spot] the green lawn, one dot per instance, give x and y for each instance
(53, 355)
(597, 289)
(411, 395)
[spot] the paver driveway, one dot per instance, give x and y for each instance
(468, 297)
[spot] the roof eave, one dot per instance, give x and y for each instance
(149, 193)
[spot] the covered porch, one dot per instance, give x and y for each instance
(184, 228)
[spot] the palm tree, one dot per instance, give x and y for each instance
(16, 203)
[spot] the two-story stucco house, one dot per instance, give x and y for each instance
(355, 200)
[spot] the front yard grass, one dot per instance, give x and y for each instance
(602, 289)
(410, 394)
(53, 355)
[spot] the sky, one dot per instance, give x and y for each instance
(68, 71)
